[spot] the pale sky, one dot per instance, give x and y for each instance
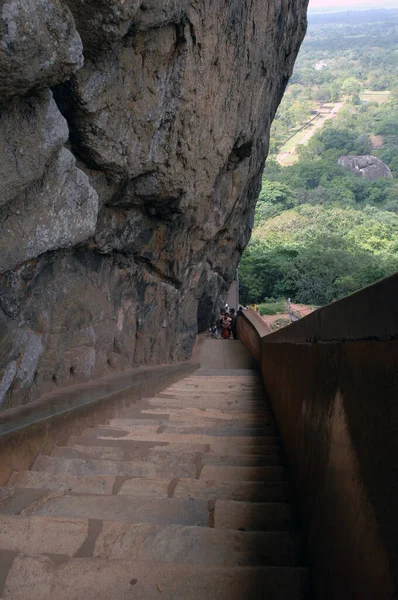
(353, 4)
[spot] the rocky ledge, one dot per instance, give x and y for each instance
(133, 135)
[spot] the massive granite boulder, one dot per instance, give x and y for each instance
(128, 183)
(369, 167)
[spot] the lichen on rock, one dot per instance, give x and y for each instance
(127, 191)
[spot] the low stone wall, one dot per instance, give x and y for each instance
(33, 429)
(333, 380)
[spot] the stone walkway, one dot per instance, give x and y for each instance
(183, 496)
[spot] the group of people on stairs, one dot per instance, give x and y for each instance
(225, 326)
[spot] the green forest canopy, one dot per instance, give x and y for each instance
(322, 232)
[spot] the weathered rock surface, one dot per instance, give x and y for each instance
(369, 167)
(39, 45)
(113, 248)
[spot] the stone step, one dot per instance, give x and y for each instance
(247, 399)
(143, 487)
(171, 543)
(225, 431)
(56, 482)
(194, 415)
(233, 473)
(86, 452)
(211, 402)
(217, 386)
(199, 424)
(245, 460)
(93, 484)
(250, 395)
(197, 420)
(135, 449)
(92, 466)
(252, 516)
(144, 448)
(119, 453)
(198, 545)
(131, 434)
(33, 577)
(123, 508)
(213, 430)
(242, 491)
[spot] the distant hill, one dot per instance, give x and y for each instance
(316, 17)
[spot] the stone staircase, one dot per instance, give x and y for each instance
(183, 496)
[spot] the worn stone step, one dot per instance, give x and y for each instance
(85, 452)
(239, 430)
(93, 484)
(201, 425)
(133, 448)
(131, 434)
(197, 420)
(171, 543)
(40, 483)
(190, 417)
(122, 507)
(217, 386)
(194, 415)
(244, 395)
(234, 473)
(118, 453)
(156, 455)
(226, 431)
(240, 491)
(211, 402)
(198, 545)
(269, 447)
(33, 577)
(92, 466)
(210, 397)
(60, 482)
(252, 516)
(245, 460)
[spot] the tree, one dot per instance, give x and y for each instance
(363, 144)
(351, 87)
(338, 138)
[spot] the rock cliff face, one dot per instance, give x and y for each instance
(133, 135)
(369, 167)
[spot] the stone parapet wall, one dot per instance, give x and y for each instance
(332, 381)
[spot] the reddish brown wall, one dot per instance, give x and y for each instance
(333, 382)
(250, 331)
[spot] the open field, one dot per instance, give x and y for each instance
(371, 96)
(287, 154)
(282, 319)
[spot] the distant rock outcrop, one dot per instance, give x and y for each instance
(127, 183)
(369, 167)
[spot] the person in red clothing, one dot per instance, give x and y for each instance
(226, 326)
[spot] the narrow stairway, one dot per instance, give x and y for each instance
(183, 496)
